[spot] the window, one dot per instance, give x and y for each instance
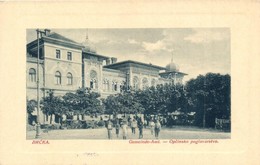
(105, 85)
(122, 86)
(93, 74)
(32, 75)
(69, 56)
(69, 79)
(57, 78)
(114, 86)
(136, 82)
(93, 84)
(57, 53)
(93, 79)
(145, 83)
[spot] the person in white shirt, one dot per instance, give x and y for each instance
(124, 129)
(133, 126)
(109, 128)
(152, 126)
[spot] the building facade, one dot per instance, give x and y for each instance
(66, 65)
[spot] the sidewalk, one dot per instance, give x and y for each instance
(101, 134)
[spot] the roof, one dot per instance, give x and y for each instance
(94, 54)
(56, 38)
(172, 67)
(60, 37)
(112, 70)
(168, 72)
(135, 62)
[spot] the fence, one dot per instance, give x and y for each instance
(223, 124)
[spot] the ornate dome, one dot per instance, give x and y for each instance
(89, 47)
(172, 67)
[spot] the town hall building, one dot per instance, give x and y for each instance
(66, 66)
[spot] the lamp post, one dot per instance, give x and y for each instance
(38, 82)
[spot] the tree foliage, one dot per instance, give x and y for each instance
(207, 95)
(83, 101)
(210, 96)
(31, 105)
(124, 103)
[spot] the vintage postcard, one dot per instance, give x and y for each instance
(132, 82)
(138, 83)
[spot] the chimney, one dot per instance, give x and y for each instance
(113, 60)
(108, 61)
(47, 32)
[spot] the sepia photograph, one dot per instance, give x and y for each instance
(128, 83)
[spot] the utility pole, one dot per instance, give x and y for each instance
(39, 32)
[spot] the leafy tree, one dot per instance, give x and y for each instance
(52, 105)
(84, 101)
(210, 98)
(113, 105)
(162, 99)
(130, 103)
(31, 105)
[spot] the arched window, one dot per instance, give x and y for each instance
(58, 78)
(93, 79)
(122, 86)
(105, 85)
(93, 84)
(145, 83)
(32, 75)
(69, 79)
(136, 82)
(114, 86)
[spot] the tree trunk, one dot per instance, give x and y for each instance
(47, 117)
(51, 119)
(204, 118)
(114, 115)
(60, 119)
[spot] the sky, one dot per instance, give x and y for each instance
(195, 50)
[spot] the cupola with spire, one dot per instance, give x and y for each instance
(172, 67)
(88, 46)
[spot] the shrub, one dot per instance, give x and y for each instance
(101, 123)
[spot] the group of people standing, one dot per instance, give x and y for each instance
(134, 124)
(155, 127)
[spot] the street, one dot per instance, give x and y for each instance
(101, 134)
